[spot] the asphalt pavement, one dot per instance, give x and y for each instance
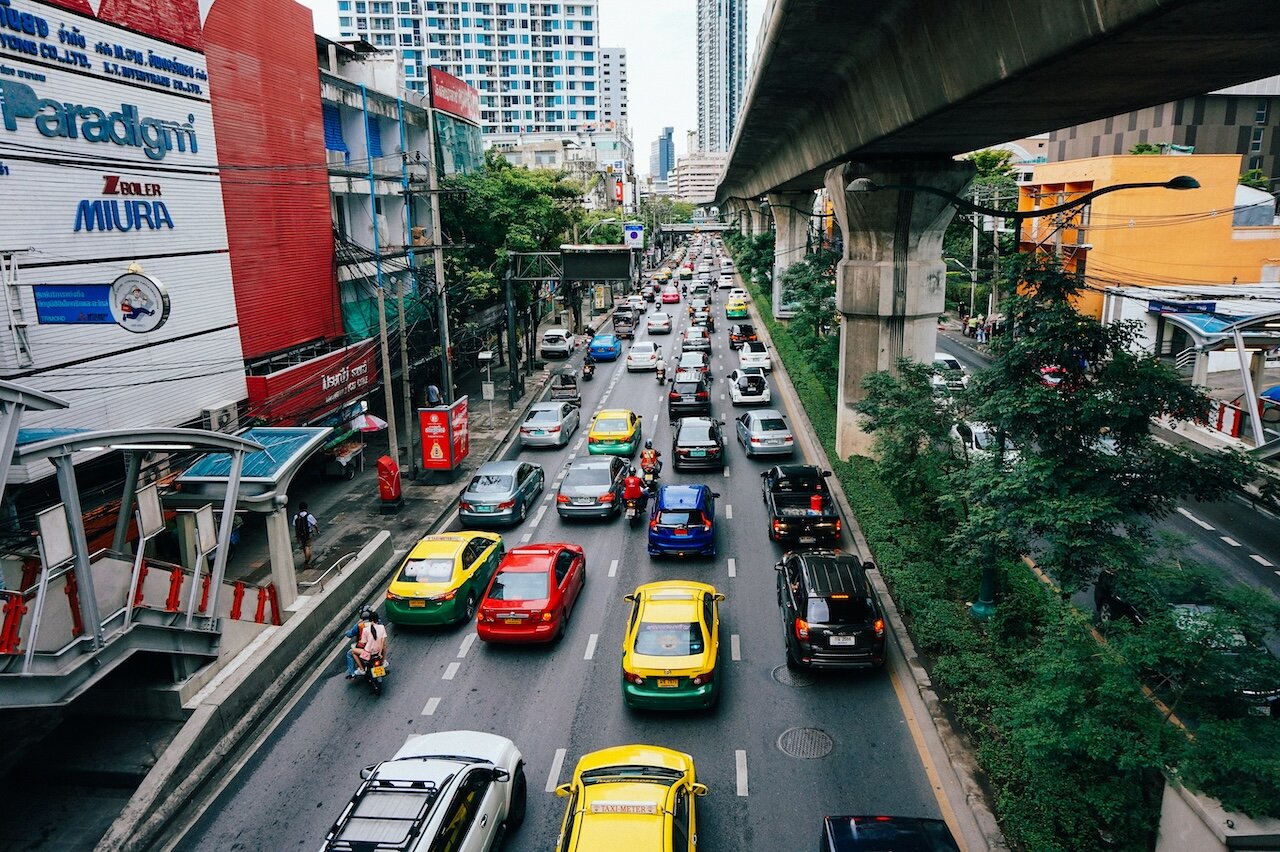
(561, 701)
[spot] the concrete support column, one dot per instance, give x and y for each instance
(280, 547)
(891, 284)
(759, 218)
(791, 213)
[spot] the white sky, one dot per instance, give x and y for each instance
(662, 60)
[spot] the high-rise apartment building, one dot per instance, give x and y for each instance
(662, 155)
(537, 66)
(613, 80)
(722, 70)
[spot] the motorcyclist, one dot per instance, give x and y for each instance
(650, 459)
(633, 488)
(371, 640)
(661, 371)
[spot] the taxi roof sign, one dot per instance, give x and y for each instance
(648, 808)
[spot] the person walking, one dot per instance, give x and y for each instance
(973, 324)
(304, 529)
(433, 396)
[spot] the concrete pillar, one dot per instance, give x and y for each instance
(759, 218)
(734, 214)
(280, 547)
(791, 213)
(891, 284)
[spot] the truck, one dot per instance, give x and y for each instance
(624, 322)
(799, 504)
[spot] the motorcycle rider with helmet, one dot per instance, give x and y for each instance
(371, 641)
(650, 459)
(633, 488)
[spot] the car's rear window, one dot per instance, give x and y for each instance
(487, 484)
(692, 360)
(519, 586)
(679, 518)
(583, 476)
(754, 347)
(754, 384)
(553, 338)
(611, 424)
(685, 387)
(695, 431)
(642, 349)
(804, 484)
(669, 640)
(427, 570)
(834, 609)
(543, 415)
(773, 425)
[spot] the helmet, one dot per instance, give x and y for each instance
(368, 614)
(648, 445)
(632, 471)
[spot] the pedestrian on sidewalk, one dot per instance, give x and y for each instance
(972, 327)
(433, 396)
(304, 528)
(981, 330)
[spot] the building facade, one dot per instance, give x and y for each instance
(603, 161)
(536, 65)
(1243, 120)
(722, 70)
(613, 79)
(662, 156)
(698, 175)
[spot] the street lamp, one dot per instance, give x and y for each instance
(587, 235)
(973, 278)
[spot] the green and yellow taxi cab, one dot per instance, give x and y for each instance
(443, 578)
(615, 432)
(735, 309)
(671, 647)
(631, 798)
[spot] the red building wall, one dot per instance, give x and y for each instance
(265, 84)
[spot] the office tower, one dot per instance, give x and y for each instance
(662, 155)
(613, 79)
(722, 70)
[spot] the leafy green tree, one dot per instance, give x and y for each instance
(1145, 148)
(808, 285)
(1257, 179)
(993, 186)
(909, 433)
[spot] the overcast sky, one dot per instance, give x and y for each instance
(660, 38)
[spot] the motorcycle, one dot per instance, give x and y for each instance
(588, 372)
(650, 477)
(661, 373)
(375, 671)
(633, 511)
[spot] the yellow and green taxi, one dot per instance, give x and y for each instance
(443, 578)
(735, 309)
(615, 432)
(671, 647)
(631, 798)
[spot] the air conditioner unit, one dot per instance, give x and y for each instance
(221, 418)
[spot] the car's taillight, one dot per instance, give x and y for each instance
(464, 505)
(802, 629)
(702, 394)
(703, 678)
(506, 504)
(392, 597)
(560, 498)
(606, 498)
(787, 440)
(777, 526)
(837, 525)
(447, 596)
(879, 627)
(484, 615)
(632, 678)
(554, 429)
(653, 523)
(673, 396)
(681, 451)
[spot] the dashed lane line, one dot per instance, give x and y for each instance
(466, 646)
(735, 648)
(1193, 519)
(733, 567)
(740, 761)
(591, 646)
(537, 519)
(1229, 540)
(1260, 560)
(553, 777)
(430, 709)
(726, 473)
(613, 568)
(728, 512)
(451, 670)
(526, 538)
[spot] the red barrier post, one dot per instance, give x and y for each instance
(275, 604)
(204, 593)
(237, 598)
(10, 632)
(175, 591)
(262, 605)
(73, 601)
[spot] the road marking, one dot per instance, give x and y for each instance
(735, 648)
(1229, 540)
(573, 456)
(1263, 562)
(1193, 519)
(578, 445)
(728, 512)
(547, 499)
(733, 567)
(613, 568)
(466, 646)
(722, 397)
(526, 538)
(430, 709)
(591, 646)
(740, 759)
(553, 777)
(451, 670)
(538, 517)
(726, 473)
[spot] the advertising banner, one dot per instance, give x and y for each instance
(445, 433)
(298, 394)
(451, 95)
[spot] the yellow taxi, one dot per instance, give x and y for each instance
(735, 309)
(443, 578)
(632, 798)
(615, 432)
(672, 646)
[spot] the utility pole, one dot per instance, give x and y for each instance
(442, 292)
(406, 385)
(516, 390)
(973, 265)
(393, 444)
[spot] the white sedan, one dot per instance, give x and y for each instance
(643, 356)
(748, 388)
(738, 293)
(754, 354)
(659, 323)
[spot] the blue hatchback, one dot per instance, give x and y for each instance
(683, 521)
(606, 347)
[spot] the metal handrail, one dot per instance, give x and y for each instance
(319, 581)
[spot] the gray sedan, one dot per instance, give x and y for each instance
(592, 488)
(549, 424)
(501, 492)
(765, 433)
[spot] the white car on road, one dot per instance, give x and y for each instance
(748, 388)
(557, 343)
(659, 323)
(754, 354)
(643, 355)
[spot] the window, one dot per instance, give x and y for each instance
(563, 562)
(1260, 115)
(462, 812)
(1255, 140)
(680, 821)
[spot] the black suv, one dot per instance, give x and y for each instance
(690, 394)
(831, 616)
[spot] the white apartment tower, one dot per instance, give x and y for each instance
(537, 65)
(722, 70)
(613, 79)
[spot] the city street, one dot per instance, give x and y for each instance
(560, 701)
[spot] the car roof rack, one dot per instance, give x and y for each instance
(383, 816)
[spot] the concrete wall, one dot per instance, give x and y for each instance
(1189, 821)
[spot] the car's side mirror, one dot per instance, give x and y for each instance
(501, 774)
(631, 598)
(715, 494)
(826, 473)
(367, 772)
(868, 565)
(699, 789)
(562, 791)
(719, 597)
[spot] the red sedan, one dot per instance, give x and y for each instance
(670, 294)
(532, 593)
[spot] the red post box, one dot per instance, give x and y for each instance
(389, 479)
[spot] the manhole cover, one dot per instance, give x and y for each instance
(787, 677)
(805, 743)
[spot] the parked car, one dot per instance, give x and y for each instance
(696, 339)
(753, 353)
(697, 442)
(557, 343)
(740, 333)
(682, 521)
(831, 614)
(500, 492)
(690, 394)
(549, 424)
(592, 488)
(643, 356)
(659, 323)
(671, 649)
(747, 388)
(799, 504)
(605, 347)
(878, 833)
(532, 594)
(764, 432)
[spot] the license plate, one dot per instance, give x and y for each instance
(417, 604)
(483, 508)
(681, 531)
(668, 682)
(511, 621)
(582, 501)
(842, 640)
(379, 671)
(775, 441)
(808, 539)
(698, 454)
(539, 431)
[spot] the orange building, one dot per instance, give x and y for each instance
(1221, 233)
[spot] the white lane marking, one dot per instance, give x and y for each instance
(547, 499)
(728, 512)
(538, 517)
(726, 473)
(578, 445)
(553, 777)
(735, 648)
(722, 397)
(733, 567)
(573, 456)
(591, 646)
(1261, 561)
(451, 670)
(430, 709)
(561, 475)
(740, 760)
(466, 646)
(526, 538)
(1229, 540)
(613, 568)
(1193, 519)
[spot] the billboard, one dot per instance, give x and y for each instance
(446, 435)
(299, 394)
(451, 95)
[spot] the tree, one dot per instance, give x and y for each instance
(1256, 179)
(1146, 148)
(908, 432)
(993, 186)
(808, 286)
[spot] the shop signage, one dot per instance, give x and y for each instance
(312, 389)
(1158, 307)
(135, 302)
(445, 432)
(139, 303)
(451, 95)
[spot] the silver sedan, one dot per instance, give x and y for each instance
(549, 424)
(765, 433)
(501, 492)
(659, 323)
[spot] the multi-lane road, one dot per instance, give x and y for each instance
(780, 751)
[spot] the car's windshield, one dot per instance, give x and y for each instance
(611, 424)
(485, 483)
(427, 570)
(840, 610)
(596, 475)
(519, 586)
(660, 639)
(543, 415)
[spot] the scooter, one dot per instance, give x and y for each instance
(661, 373)
(588, 372)
(649, 477)
(375, 671)
(633, 511)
